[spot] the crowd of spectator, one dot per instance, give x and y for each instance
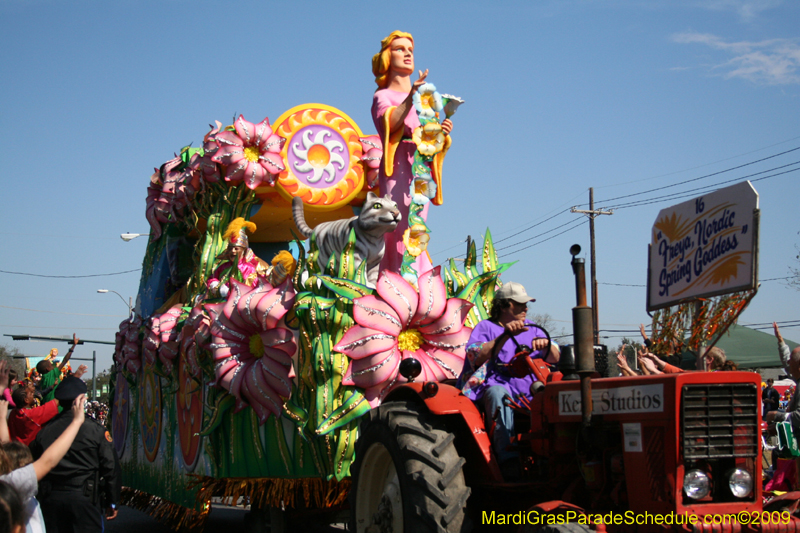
(58, 469)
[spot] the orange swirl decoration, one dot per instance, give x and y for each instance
(323, 156)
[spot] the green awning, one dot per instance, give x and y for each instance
(750, 348)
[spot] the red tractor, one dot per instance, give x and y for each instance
(671, 451)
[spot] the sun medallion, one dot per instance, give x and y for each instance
(323, 154)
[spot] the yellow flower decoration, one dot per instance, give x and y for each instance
(429, 138)
(416, 239)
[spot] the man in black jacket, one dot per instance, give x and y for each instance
(87, 479)
(770, 398)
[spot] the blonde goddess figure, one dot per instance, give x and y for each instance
(395, 120)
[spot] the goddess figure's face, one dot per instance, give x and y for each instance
(402, 56)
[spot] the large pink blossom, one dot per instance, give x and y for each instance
(126, 350)
(195, 336)
(161, 339)
(252, 351)
(202, 165)
(250, 153)
(399, 323)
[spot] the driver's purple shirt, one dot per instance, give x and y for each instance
(486, 331)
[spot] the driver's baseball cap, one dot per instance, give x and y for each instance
(514, 291)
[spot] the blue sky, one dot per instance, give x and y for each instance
(622, 96)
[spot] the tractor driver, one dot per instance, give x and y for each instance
(486, 378)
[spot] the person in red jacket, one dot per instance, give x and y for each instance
(26, 420)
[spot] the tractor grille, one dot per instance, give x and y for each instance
(719, 421)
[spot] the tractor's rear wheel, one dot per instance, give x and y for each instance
(407, 474)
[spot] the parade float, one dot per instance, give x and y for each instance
(248, 363)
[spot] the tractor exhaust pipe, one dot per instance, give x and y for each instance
(583, 335)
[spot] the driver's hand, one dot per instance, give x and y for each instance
(539, 344)
(515, 327)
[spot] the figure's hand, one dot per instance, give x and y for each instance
(447, 126)
(777, 332)
(111, 513)
(420, 81)
(78, 413)
(75, 340)
(515, 327)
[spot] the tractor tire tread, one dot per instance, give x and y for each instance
(431, 468)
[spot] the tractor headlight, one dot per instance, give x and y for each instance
(740, 482)
(696, 484)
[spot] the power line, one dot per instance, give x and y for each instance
(532, 226)
(701, 177)
(70, 277)
(692, 192)
(699, 166)
(535, 236)
(631, 285)
(551, 237)
(56, 312)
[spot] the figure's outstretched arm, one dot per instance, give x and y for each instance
(399, 115)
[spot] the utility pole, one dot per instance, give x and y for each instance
(592, 214)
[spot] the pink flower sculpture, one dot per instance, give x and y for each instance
(208, 169)
(168, 331)
(126, 351)
(373, 153)
(252, 352)
(151, 342)
(250, 153)
(195, 336)
(153, 201)
(399, 323)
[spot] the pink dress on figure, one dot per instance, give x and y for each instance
(398, 185)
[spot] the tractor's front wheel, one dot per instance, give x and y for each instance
(407, 474)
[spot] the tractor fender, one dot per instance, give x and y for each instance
(445, 400)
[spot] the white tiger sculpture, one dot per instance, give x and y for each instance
(379, 216)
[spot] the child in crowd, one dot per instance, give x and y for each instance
(12, 512)
(19, 455)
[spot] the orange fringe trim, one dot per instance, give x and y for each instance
(174, 516)
(315, 493)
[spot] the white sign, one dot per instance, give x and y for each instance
(632, 435)
(635, 399)
(704, 247)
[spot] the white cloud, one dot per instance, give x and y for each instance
(746, 9)
(770, 62)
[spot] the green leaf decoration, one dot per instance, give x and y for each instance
(461, 279)
(346, 259)
(361, 274)
(470, 260)
(330, 268)
(471, 290)
(223, 403)
(449, 284)
(353, 408)
(304, 300)
(295, 413)
(489, 254)
(345, 288)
